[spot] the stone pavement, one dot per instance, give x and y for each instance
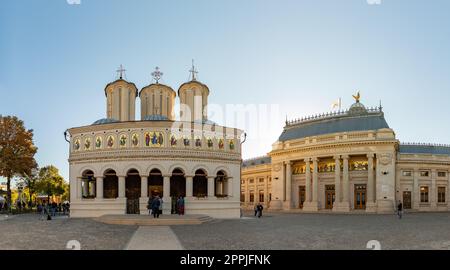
(154, 238)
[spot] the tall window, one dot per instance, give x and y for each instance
(424, 173)
(442, 174)
(251, 181)
(252, 196)
(261, 196)
(424, 194)
(441, 194)
(261, 180)
(407, 173)
(242, 196)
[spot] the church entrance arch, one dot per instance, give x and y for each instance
(110, 185)
(177, 187)
(155, 183)
(133, 191)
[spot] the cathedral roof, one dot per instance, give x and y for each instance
(121, 80)
(424, 149)
(105, 121)
(257, 161)
(155, 117)
(357, 118)
(193, 82)
(157, 85)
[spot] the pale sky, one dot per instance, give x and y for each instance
(297, 56)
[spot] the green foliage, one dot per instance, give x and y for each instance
(50, 182)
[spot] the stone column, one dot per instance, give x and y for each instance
(266, 191)
(99, 187)
(447, 194)
(247, 191)
(337, 182)
(416, 191)
(433, 191)
(315, 189)
(167, 200)
(189, 186)
(288, 201)
(79, 188)
(345, 205)
(370, 204)
(121, 186)
(144, 186)
(211, 187)
(307, 181)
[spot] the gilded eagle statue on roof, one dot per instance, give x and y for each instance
(357, 97)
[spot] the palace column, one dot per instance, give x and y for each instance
(79, 188)
(266, 191)
(167, 201)
(247, 192)
(99, 190)
(144, 186)
(288, 201)
(433, 197)
(370, 204)
(345, 205)
(416, 191)
(211, 187)
(337, 182)
(121, 186)
(189, 186)
(307, 181)
(313, 204)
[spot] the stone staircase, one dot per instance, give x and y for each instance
(147, 220)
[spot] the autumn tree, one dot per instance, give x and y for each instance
(50, 182)
(16, 150)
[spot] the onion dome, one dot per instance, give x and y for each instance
(105, 121)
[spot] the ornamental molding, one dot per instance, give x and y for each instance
(277, 167)
(385, 158)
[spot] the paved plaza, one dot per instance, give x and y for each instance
(272, 231)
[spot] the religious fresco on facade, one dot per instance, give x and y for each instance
(135, 140)
(362, 165)
(110, 141)
(186, 141)
(231, 145)
(210, 143)
(87, 144)
(221, 144)
(327, 167)
(123, 140)
(173, 140)
(155, 139)
(76, 145)
(198, 142)
(98, 142)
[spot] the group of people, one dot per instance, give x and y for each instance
(155, 206)
(258, 210)
(52, 209)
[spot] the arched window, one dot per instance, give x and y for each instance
(221, 184)
(110, 185)
(155, 183)
(200, 184)
(88, 185)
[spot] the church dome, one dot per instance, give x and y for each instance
(206, 122)
(105, 121)
(155, 117)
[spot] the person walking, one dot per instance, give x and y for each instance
(149, 205)
(399, 209)
(155, 207)
(160, 205)
(181, 206)
(256, 209)
(260, 209)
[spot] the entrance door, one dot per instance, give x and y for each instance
(330, 196)
(360, 196)
(301, 196)
(407, 199)
(133, 192)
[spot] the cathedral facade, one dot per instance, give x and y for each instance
(118, 162)
(349, 161)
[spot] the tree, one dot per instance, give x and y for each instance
(29, 180)
(16, 150)
(50, 182)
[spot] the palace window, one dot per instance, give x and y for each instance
(270, 197)
(261, 196)
(424, 194)
(327, 167)
(270, 179)
(242, 196)
(252, 196)
(441, 194)
(243, 182)
(359, 166)
(251, 181)
(424, 173)
(407, 173)
(261, 180)
(442, 174)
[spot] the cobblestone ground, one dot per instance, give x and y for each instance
(28, 232)
(273, 231)
(320, 231)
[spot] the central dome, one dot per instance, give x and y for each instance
(357, 108)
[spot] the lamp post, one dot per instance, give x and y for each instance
(240, 170)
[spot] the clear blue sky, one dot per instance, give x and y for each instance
(56, 58)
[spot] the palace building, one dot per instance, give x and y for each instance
(118, 162)
(347, 161)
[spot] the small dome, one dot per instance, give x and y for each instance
(357, 108)
(105, 121)
(155, 117)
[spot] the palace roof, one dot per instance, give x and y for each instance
(357, 118)
(431, 149)
(257, 161)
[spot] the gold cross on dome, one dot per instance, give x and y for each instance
(157, 74)
(121, 71)
(193, 71)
